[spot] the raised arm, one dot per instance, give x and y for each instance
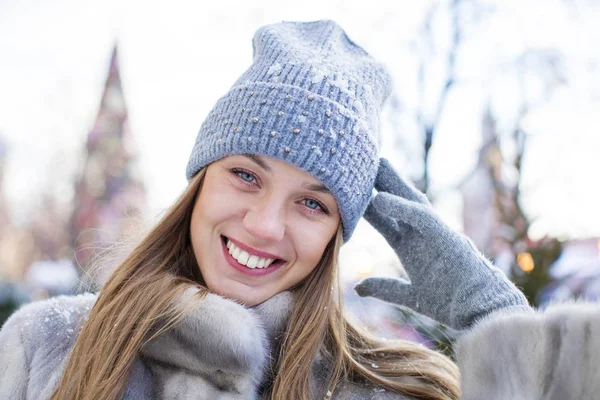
(450, 280)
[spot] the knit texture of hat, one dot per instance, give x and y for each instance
(312, 98)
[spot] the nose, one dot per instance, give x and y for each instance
(265, 220)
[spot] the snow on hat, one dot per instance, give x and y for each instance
(312, 98)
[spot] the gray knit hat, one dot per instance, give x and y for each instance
(311, 97)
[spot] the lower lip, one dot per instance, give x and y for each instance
(249, 271)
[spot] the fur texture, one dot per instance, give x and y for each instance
(35, 343)
(519, 355)
(221, 350)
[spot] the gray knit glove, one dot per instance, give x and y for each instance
(450, 280)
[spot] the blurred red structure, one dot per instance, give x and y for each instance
(109, 191)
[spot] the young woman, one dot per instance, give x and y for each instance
(234, 294)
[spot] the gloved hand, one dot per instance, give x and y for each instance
(450, 280)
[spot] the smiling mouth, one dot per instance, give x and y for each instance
(248, 259)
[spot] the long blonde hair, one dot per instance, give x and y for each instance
(163, 265)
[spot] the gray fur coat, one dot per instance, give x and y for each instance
(550, 355)
(219, 351)
(222, 351)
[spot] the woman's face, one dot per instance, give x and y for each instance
(260, 226)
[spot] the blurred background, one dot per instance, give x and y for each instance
(493, 115)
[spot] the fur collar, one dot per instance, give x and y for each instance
(220, 350)
(220, 345)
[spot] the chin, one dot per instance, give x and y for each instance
(248, 301)
(239, 295)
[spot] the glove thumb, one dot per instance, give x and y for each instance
(391, 290)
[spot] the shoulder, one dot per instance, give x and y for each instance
(50, 322)
(60, 311)
(35, 341)
(524, 351)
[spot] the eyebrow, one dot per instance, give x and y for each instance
(316, 188)
(313, 187)
(261, 163)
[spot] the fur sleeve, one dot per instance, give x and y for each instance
(546, 355)
(14, 367)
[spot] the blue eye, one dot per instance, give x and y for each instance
(247, 177)
(312, 204)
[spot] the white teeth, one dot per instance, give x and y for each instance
(252, 262)
(243, 257)
(246, 259)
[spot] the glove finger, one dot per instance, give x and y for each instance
(389, 180)
(404, 211)
(391, 290)
(382, 223)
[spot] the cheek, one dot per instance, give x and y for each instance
(210, 212)
(311, 244)
(314, 251)
(216, 205)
